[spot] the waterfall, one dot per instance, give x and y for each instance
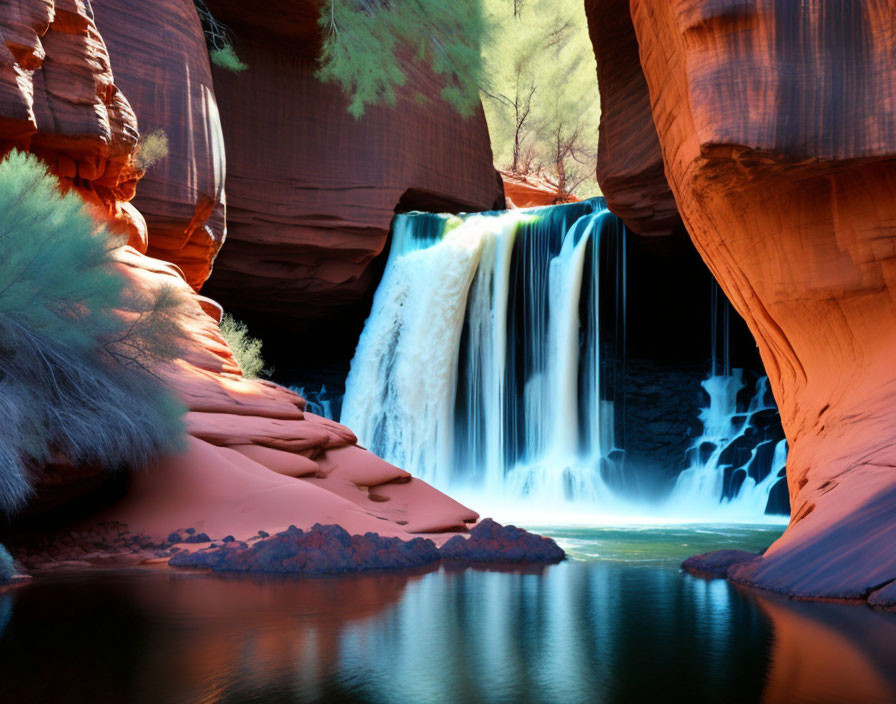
(479, 370)
(320, 401)
(479, 365)
(717, 482)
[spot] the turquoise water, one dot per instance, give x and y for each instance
(657, 545)
(623, 625)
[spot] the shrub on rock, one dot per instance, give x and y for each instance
(76, 349)
(246, 349)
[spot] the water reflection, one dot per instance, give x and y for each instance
(579, 632)
(830, 652)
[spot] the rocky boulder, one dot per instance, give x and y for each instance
(319, 551)
(717, 562)
(490, 542)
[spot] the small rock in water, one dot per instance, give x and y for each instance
(490, 542)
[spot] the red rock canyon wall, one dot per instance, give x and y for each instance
(311, 190)
(161, 64)
(629, 161)
(777, 122)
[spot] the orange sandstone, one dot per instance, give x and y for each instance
(777, 123)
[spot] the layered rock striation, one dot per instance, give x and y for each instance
(58, 100)
(629, 161)
(162, 65)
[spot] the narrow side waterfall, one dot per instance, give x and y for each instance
(479, 370)
(732, 469)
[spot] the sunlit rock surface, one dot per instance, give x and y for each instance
(161, 63)
(311, 190)
(776, 122)
(255, 459)
(530, 192)
(58, 99)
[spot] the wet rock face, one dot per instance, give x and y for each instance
(312, 191)
(490, 542)
(320, 551)
(161, 63)
(776, 122)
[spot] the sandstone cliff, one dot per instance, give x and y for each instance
(530, 192)
(629, 160)
(162, 66)
(776, 123)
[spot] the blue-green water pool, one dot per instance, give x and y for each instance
(618, 622)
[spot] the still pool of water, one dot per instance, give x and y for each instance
(617, 623)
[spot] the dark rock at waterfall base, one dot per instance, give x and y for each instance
(322, 550)
(188, 535)
(492, 543)
(717, 562)
(884, 597)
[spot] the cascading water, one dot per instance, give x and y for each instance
(480, 362)
(320, 401)
(734, 465)
(479, 370)
(718, 482)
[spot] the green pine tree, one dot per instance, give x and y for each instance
(367, 44)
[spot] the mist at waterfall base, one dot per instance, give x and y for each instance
(483, 369)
